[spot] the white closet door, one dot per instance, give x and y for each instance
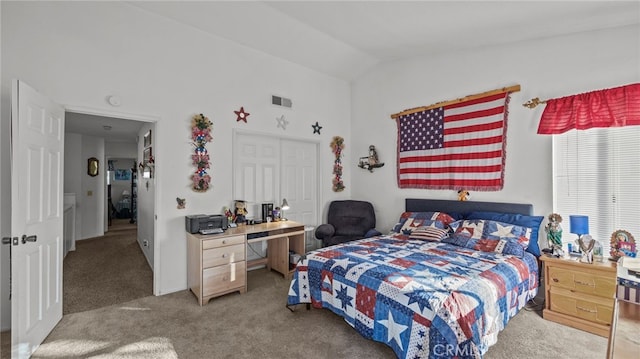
(267, 169)
(256, 169)
(299, 180)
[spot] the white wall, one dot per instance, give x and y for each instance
(547, 68)
(170, 71)
(90, 191)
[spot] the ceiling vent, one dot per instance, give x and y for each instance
(281, 101)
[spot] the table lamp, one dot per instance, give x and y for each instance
(579, 225)
(284, 207)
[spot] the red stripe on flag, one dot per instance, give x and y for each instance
(475, 142)
(473, 128)
(452, 169)
(457, 156)
(443, 183)
(474, 114)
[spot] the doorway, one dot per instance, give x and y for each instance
(114, 231)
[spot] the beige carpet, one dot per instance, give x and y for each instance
(257, 325)
(106, 270)
(102, 271)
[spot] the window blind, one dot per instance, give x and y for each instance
(597, 173)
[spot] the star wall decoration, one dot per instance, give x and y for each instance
(282, 122)
(316, 128)
(242, 116)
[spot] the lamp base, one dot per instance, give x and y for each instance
(587, 248)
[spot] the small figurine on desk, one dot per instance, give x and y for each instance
(241, 212)
(554, 234)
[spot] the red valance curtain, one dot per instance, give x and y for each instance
(616, 107)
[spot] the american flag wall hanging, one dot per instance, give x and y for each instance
(455, 145)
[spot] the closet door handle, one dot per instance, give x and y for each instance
(26, 238)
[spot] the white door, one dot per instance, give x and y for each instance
(37, 143)
(256, 166)
(299, 180)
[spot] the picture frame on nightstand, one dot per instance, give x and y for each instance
(622, 245)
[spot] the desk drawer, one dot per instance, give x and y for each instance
(222, 241)
(590, 283)
(222, 255)
(593, 309)
(223, 278)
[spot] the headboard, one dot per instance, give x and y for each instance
(439, 205)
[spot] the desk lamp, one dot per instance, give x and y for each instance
(284, 207)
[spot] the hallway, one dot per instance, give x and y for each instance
(106, 270)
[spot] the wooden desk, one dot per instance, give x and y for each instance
(217, 265)
(624, 341)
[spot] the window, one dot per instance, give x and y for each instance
(597, 173)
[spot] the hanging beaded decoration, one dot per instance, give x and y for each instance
(200, 134)
(337, 145)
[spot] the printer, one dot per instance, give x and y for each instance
(197, 222)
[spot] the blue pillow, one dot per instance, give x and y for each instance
(532, 222)
(485, 244)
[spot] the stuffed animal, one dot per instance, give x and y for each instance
(463, 195)
(241, 211)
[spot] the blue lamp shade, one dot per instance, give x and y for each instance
(579, 225)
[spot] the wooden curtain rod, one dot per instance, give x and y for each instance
(514, 88)
(534, 102)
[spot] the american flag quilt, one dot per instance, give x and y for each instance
(423, 299)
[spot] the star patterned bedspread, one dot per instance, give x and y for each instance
(423, 299)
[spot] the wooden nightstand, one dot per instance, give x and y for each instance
(579, 295)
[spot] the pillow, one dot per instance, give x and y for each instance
(412, 224)
(496, 245)
(532, 222)
(417, 219)
(492, 230)
(428, 234)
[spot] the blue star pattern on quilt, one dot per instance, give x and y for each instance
(344, 297)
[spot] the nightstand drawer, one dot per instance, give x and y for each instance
(223, 255)
(222, 278)
(593, 309)
(582, 282)
(222, 241)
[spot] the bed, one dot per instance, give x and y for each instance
(430, 295)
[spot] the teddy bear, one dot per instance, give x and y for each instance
(463, 195)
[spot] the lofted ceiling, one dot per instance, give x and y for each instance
(345, 39)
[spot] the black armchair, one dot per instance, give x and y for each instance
(347, 220)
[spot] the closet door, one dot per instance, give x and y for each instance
(267, 169)
(256, 166)
(299, 180)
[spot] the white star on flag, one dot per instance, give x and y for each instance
(394, 330)
(502, 231)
